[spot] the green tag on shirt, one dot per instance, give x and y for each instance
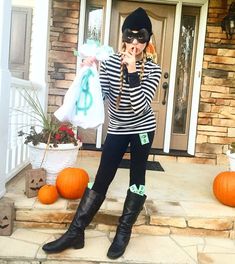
(144, 139)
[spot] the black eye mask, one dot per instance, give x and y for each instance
(142, 36)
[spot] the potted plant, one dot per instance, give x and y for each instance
(231, 149)
(231, 156)
(52, 145)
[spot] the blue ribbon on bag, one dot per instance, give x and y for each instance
(85, 100)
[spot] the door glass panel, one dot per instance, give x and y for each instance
(93, 30)
(184, 73)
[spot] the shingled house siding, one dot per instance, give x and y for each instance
(215, 131)
(63, 40)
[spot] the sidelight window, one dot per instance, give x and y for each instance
(94, 21)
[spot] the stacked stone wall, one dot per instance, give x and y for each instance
(63, 40)
(215, 132)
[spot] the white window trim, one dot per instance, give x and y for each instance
(197, 76)
(198, 64)
(174, 57)
(197, 79)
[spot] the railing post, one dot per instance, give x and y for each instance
(39, 57)
(5, 80)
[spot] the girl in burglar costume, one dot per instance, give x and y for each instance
(129, 80)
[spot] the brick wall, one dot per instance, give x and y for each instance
(215, 131)
(63, 40)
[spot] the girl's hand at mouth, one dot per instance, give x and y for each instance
(128, 58)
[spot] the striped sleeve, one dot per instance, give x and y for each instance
(104, 80)
(141, 95)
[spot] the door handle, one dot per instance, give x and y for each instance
(166, 75)
(165, 86)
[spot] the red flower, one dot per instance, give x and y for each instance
(66, 129)
(70, 132)
(57, 136)
(63, 128)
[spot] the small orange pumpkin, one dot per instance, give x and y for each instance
(224, 187)
(47, 194)
(72, 182)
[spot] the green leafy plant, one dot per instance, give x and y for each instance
(52, 131)
(231, 116)
(232, 147)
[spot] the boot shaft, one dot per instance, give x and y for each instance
(87, 209)
(133, 205)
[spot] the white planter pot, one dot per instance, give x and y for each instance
(55, 160)
(231, 157)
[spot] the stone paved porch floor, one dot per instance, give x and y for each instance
(24, 247)
(180, 202)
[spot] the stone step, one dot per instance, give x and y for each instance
(179, 202)
(30, 213)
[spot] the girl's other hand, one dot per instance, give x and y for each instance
(128, 58)
(89, 61)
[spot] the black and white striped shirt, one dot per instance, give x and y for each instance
(134, 114)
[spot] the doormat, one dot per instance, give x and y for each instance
(151, 165)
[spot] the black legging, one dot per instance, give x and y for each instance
(115, 147)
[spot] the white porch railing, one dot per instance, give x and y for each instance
(19, 119)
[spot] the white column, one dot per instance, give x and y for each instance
(106, 42)
(5, 80)
(81, 30)
(39, 73)
(107, 21)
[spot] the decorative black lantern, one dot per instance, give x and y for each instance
(228, 23)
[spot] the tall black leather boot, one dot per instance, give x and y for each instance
(74, 236)
(132, 207)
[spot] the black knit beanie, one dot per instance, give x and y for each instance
(137, 20)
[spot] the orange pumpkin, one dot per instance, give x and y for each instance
(224, 187)
(47, 194)
(72, 182)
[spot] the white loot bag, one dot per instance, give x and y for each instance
(83, 103)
